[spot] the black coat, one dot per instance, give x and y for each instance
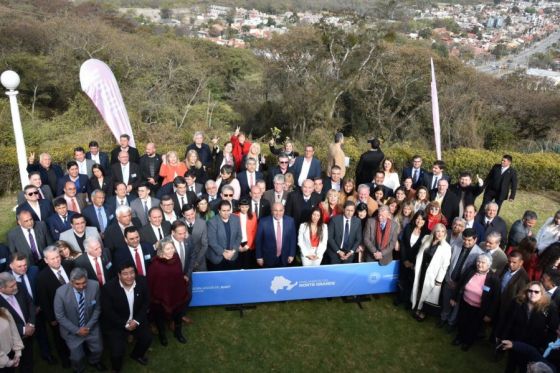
(449, 205)
(114, 304)
(47, 283)
(410, 252)
(367, 166)
(471, 192)
(297, 208)
(490, 295)
(133, 155)
(498, 186)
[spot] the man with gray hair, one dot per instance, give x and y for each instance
(522, 228)
(96, 261)
(492, 222)
(455, 233)
(365, 198)
(114, 234)
(492, 246)
(50, 173)
(277, 194)
(17, 301)
(211, 195)
(77, 308)
(380, 237)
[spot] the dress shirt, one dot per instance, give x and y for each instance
(504, 169)
(344, 220)
(551, 291)
(82, 166)
(130, 299)
(12, 301)
(62, 273)
(92, 262)
(469, 224)
(122, 201)
(439, 198)
(243, 221)
(125, 169)
(180, 248)
(305, 166)
(133, 253)
(335, 186)
(25, 280)
(251, 178)
(95, 158)
(157, 231)
(35, 206)
(170, 218)
(26, 235)
(276, 226)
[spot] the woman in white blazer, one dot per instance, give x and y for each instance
(431, 265)
(312, 239)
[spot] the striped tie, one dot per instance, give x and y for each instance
(81, 309)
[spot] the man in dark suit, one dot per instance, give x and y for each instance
(448, 201)
(281, 169)
(149, 164)
(156, 229)
(73, 175)
(211, 194)
(276, 239)
(345, 235)
(277, 193)
(300, 203)
(124, 146)
(192, 185)
(50, 173)
(29, 238)
(306, 167)
(550, 280)
(335, 181)
(126, 172)
(471, 221)
(184, 248)
(99, 214)
(415, 172)
(380, 237)
(124, 304)
(26, 276)
(50, 278)
(121, 197)
(492, 222)
(198, 232)
(98, 157)
(96, 261)
(466, 191)
(431, 179)
(60, 220)
(75, 202)
(369, 163)
(135, 251)
(114, 234)
(378, 181)
(501, 183)
(248, 178)
(40, 209)
(45, 191)
(20, 305)
(513, 280)
(141, 205)
(181, 196)
(259, 206)
(224, 239)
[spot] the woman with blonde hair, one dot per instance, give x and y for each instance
(432, 262)
(348, 190)
(255, 153)
(171, 167)
(289, 182)
(330, 206)
(193, 163)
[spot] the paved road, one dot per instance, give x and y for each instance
(521, 59)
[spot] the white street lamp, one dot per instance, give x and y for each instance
(10, 80)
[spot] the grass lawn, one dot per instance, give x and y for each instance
(319, 335)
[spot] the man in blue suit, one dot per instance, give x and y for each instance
(98, 157)
(306, 167)
(224, 239)
(40, 209)
(248, 178)
(60, 220)
(139, 253)
(99, 214)
(276, 239)
(74, 175)
(416, 172)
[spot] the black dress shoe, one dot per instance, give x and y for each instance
(142, 360)
(163, 339)
(100, 367)
(180, 337)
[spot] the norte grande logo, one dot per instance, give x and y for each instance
(281, 283)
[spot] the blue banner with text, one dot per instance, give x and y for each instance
(292, 283)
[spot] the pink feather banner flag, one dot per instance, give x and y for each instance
(435, 113)
(99, 83)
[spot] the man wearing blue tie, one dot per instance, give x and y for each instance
(345, 234)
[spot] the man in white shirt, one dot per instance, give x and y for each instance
(84, 164)
(168, 207)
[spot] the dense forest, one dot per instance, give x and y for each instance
(311, 80)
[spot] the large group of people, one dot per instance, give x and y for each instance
(96, 247)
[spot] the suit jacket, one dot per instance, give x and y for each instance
(497, 225)
(145, 173)
(27, 309)
(45, 189)
(269, 195)
(18, 242)
(517, 232)
(498, 186)
(137, 207)
(264, 208)
(31, 275)
(81, 200)
(106, 186)
(336, 231)
(56, 225)
(45, 207)
(190, 257)
(198, 189)
(147, 233)
(82, 180)
(387, 192)
(4, 258)
(133, 174)
(429, 180)
(490, 299)
(123, 255)
(114, 238)
(470, 261)
(106, 265)
(449, 205)
(47, 283)
(90, 213)
(314, 168)
(103, 160)
(409, 172)
(114, 305)
(373, 246)
(244, 183)
(44, 174)
(133, 155)
(89, 165)
(479, 228)
(66, 312)
(297, 208)
(68, 236)
(471, 192)
(199, 236)
(112, 203)
(270, 177)
(266, 241)
(217, 239)
(328, 184)
(190, 197)
(367, 165)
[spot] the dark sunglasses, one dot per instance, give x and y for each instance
(533, 291)
(228, 195)
(32, 193)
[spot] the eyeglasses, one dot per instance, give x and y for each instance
(32, 193)
(530, 291)
(282, 162)
(228, 195)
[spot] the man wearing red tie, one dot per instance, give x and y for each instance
(276, 239)
(139, 253)
(96, 261)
